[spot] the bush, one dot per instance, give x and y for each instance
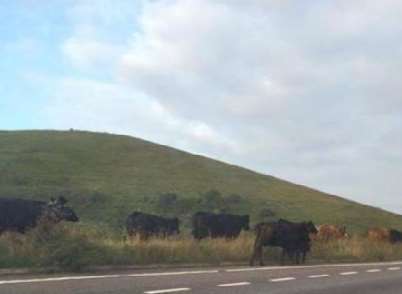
(62, 250)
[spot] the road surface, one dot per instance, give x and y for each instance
(384, 278)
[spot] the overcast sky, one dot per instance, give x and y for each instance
(308, 91)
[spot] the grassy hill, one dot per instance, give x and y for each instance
(106, 176)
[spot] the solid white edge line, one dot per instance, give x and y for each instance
(282, 279)
(247, 269)
(318, 276)
(234, 284)
(57, 279)
(374, 270)
(68, 278)
(348, 273)
(167, 290)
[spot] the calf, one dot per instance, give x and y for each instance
(146, 225)
(331, 232)
(212, 225)
(379, 235)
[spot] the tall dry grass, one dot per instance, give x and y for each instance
(357, 248)
(75, 248)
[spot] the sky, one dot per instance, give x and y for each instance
(308, 91)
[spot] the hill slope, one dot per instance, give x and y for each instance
(107, 176)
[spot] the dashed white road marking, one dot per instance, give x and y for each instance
(252, 269)
(348, 273)
(395, 268)
(374, 270)
(167, 291)
(392, 266)
(173, 273)
(282, 279)
(234, 284)
(318, 276)
(69, 278)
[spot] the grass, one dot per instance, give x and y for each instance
(106, 177)
(75, 248)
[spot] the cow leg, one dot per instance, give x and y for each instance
(293, 256)
(21, 230)
(304, 256)
(283, 256)
(297, 257)
(257, 254)
(252, 259)
(144, 236)
(261, 255)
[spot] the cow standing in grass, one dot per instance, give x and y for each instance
(213, 225)
(395, 236)
(293, 238)
(328, 232)
(384, 235)
(20, 214)
(378, 234)
(146, 225)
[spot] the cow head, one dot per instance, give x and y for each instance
(343, 232)
(245, 222)
(173, 226)
(56, 211)
(311, 228)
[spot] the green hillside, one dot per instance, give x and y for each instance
(106, 176)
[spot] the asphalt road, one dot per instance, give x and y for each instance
(384, 278)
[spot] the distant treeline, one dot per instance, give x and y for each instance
(172, 204)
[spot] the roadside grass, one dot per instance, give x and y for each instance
(355, 249)
(76, 248)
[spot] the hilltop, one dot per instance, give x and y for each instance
(107, 176)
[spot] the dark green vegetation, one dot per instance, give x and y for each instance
(106, 177)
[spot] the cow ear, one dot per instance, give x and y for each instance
(61, 200)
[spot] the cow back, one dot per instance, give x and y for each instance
(379, 235)
(328, 232)
(19, 214)
(212, 225)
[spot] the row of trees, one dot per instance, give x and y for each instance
(212, 201)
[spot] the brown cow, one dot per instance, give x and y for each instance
(331, 232)
(379, 235)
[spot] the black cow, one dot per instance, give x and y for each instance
(146, 225)
(293, 238)
(212, 225)
(395, 236)
(21, 214)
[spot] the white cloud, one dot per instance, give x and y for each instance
(86, 54)
(307, 91)
(98, 32)
(92, 105)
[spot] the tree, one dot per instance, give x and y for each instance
(211, 201)
(266, 215)
(167, 202)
